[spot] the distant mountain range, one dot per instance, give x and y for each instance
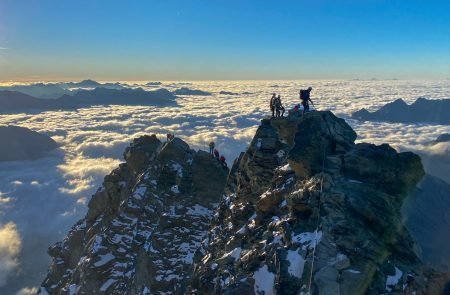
(55, 90)
(19, 143)
(421, 111)
(188, 91)
(94, 84)
(13, 101)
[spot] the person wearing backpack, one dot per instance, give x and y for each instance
(279, 106)
(305, 97)
(272, 104)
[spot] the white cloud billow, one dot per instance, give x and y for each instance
(10, 246)
(53, 192)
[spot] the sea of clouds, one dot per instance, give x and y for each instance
(40, 200)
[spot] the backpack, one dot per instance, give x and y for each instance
(304, 94)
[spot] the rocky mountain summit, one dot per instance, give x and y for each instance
(304, 210)
(143, 225)
(308, 211)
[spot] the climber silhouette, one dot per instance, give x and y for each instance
(272, 104)
(279, 107)
(211, 148)
(305, 97)
(170, 137)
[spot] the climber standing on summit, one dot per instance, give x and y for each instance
(305, 97)
(272, 104)
(279, 106)
(211, 148)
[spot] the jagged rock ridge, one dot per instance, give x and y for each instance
(298, 175)
(143, 225)
(264, 233)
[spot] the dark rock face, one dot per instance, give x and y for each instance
(19, 143)
(422, 110)
(322, 129)
(143, 225)
(285, 207)
(383, 166)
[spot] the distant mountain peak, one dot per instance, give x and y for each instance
(20, 143)
(423, 110)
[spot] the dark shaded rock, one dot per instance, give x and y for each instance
(143, 225)
(284, 211)
(318, 134)
(382, 165)
(140, 152)
(208, 176)
(19, 143)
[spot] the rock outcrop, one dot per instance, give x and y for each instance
(308, 211)
(421, 111)
(304, 210)
(19, 143)
(143, 225)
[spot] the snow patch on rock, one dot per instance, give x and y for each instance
(264, 281)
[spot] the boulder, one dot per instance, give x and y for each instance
(318, 135)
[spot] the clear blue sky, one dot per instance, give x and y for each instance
(202, 40)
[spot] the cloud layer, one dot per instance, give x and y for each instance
(10, 245)
(52, 192)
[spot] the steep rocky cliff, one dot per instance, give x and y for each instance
(304, 210)
(143, 225)
(310, 212)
